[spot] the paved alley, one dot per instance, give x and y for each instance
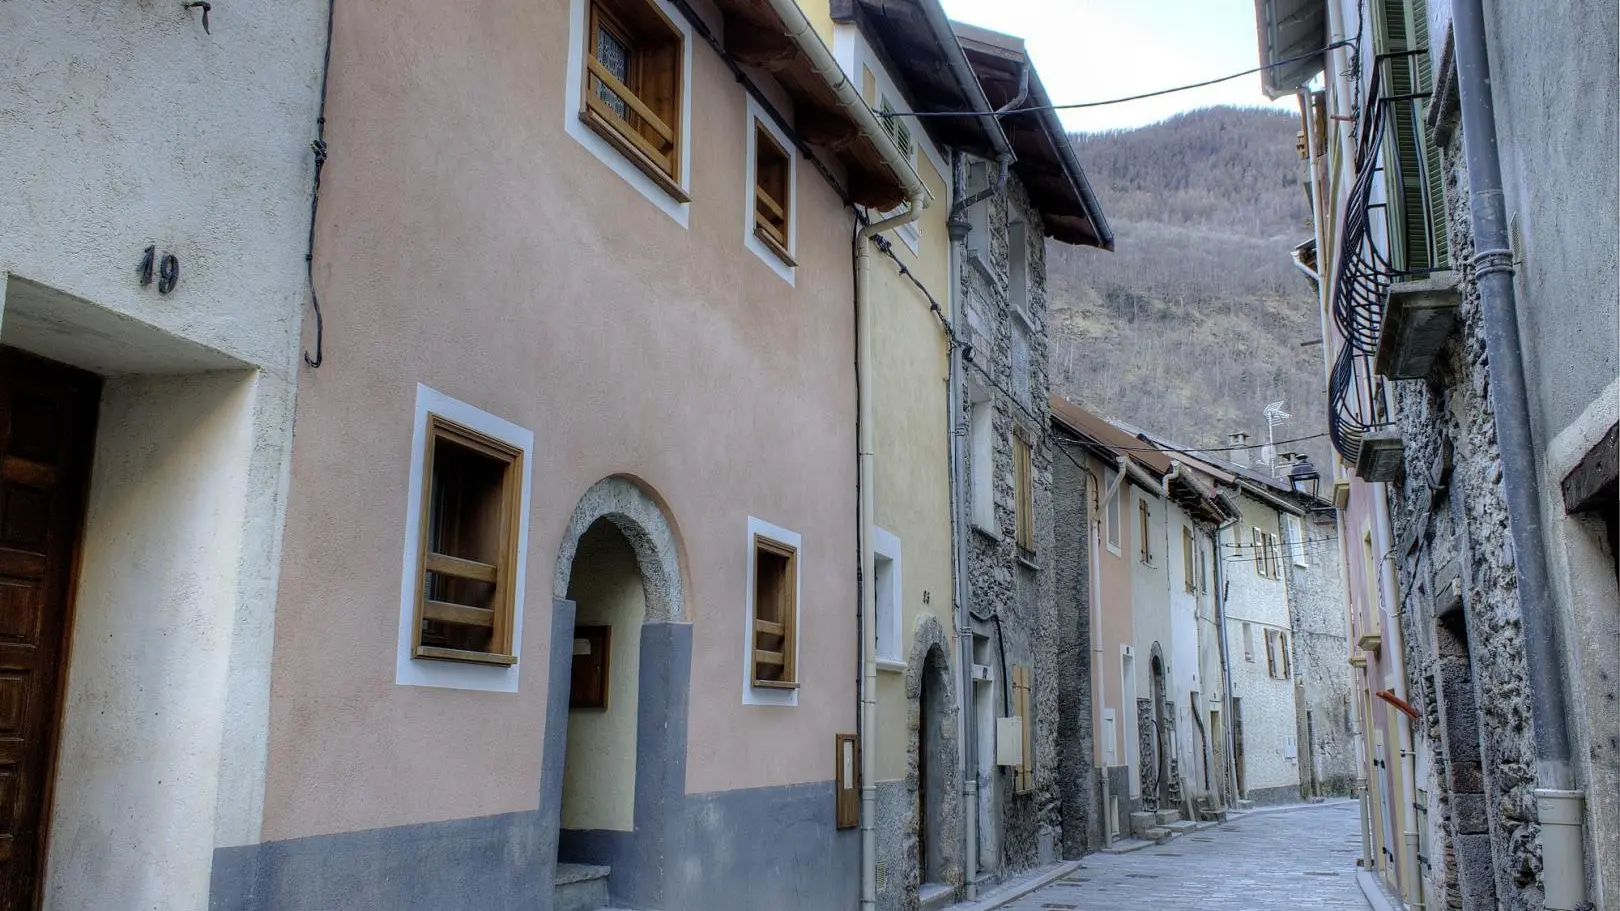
(1287, 860)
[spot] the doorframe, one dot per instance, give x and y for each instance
(84, 465)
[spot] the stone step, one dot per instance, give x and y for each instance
(1127, 845)
(581, 887)
(1166, 817)
(1141, 822)
(1158, 835)
(933, 896)
(1245, 804)
(1183, 826)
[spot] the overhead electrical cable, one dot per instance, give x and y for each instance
(1097, 104)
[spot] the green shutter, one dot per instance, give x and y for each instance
(1416, 182)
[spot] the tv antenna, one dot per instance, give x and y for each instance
(1274, 415)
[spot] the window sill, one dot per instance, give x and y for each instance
(435, 653)
(891, 665)
(774, 685)
(1026, 561)
(613, 137)
(987, 533)
(771, 244)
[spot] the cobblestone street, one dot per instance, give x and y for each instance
(1291, 860)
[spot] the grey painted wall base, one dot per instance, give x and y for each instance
(488, 862)
(1270, 797)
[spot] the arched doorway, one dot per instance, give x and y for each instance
(614, 771)
(610, 604)
(1163, 736)
(936, 810)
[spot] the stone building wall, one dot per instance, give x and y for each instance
(1455, 561)
(1076, 770)
(1013, 592)
(1316, 601)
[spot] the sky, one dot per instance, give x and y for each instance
(1092, 50)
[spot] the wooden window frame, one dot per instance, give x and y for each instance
(1145, 515)
(1189, 560)
(778, 239)
(787, 628)
(650, 139)
(1024, 493)
(500, 616)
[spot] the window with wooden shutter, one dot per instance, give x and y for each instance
(1271, 653)
(1188, 560)
(776, 592)
(1416, 212)
(1258, 539)
(1285, 658)
(1024, 773)
(1147, 548)
(632, 85)
(1024, 483)
(773, 192)
(471, 502)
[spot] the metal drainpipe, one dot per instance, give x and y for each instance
(1560, 804)
(959, 497)
(1226, 661)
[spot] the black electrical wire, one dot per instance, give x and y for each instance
(319, 148)
(1097, 104)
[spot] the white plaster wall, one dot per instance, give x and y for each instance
(146, 702)
(1182, 649)
(124, 125)
(599, 780)
(1269, 716)
(1150, 615)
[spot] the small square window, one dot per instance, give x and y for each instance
(632, 86)
(468, 547)
(773, 192)
(776, 593)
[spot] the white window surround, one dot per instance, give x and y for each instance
(604, 151)
(758, 118)
(981, 455)
(1296, 540)
(410, 671)
(1111, 511)
(761, 695)
(887, 584)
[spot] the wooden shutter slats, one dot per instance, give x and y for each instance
(461, 569)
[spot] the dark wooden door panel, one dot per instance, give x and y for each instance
(47, 424)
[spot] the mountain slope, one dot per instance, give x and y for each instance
(1195, 323)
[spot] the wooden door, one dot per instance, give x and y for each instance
(47, 424)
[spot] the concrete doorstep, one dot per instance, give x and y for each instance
(1018, 888)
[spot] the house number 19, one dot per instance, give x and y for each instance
(167, 267)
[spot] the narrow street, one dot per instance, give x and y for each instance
(1286, 860)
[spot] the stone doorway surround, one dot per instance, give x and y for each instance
(929, 658)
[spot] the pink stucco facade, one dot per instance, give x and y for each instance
(510, 268)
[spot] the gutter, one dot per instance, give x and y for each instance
(1560, 804)
(804, 35)
(966, 729)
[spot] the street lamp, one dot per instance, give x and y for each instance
(1303, 477)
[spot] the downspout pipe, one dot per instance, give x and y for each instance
(798, 27)
(955, 420)
(1559, 802)
(868, 510)
(1229, 785)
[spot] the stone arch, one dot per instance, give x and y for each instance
(638, 515)
(929, 660)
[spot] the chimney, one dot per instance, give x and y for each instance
(1239, 448)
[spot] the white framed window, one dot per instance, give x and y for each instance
(1248, 642)
(887, 587)
(978, 215)
(1296, 540)
(772, 197)
(982, 462)
(771, 618)
(610, 37)
(1020, 359)
(459, 568)
(900, 130)
(1111, 517)
(1018, 269)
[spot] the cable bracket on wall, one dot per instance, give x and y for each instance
(206, 8)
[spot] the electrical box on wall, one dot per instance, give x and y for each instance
(1010, 741)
